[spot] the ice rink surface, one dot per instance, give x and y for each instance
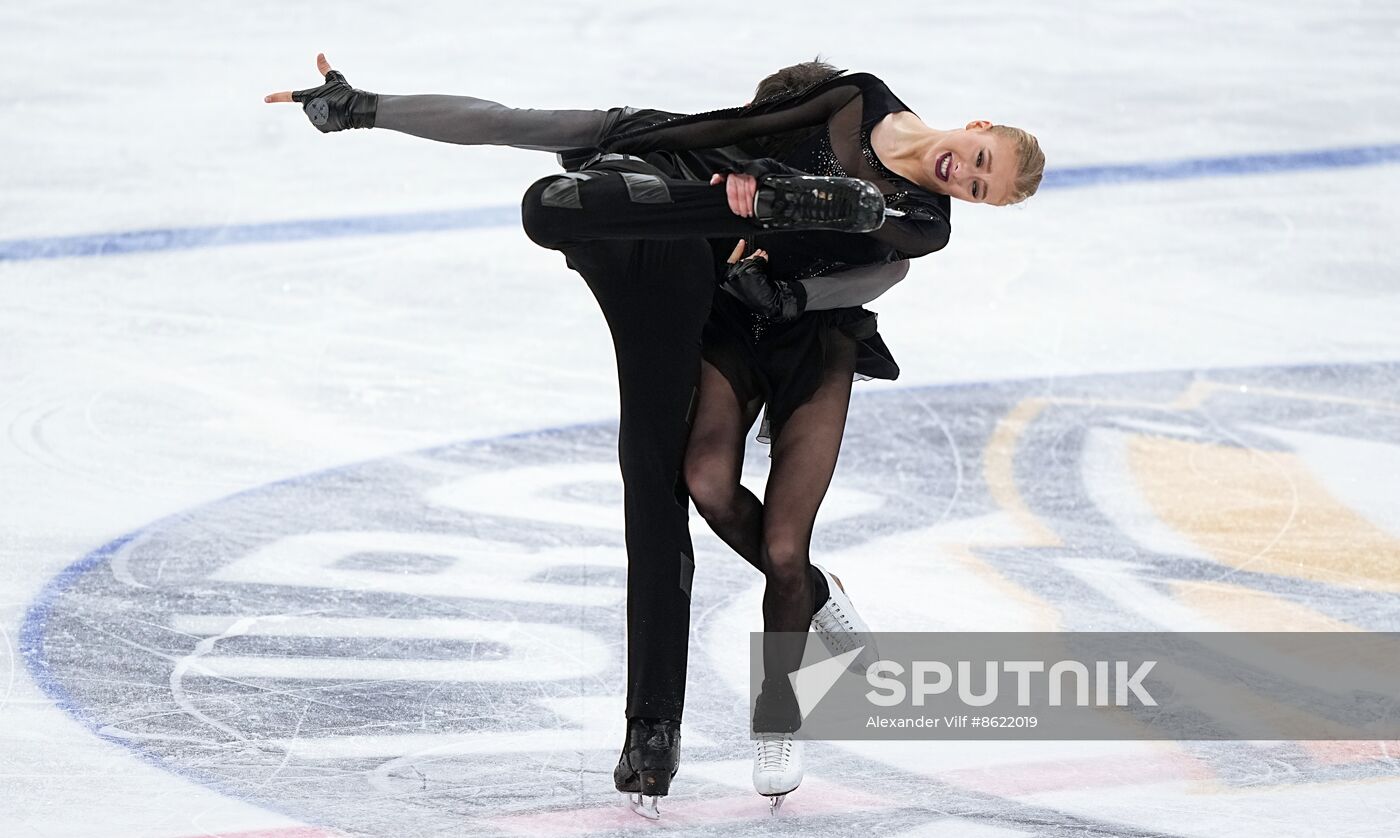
(271, 513)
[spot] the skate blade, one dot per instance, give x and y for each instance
(644, 805)
(775, 802)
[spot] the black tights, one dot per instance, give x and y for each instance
(774, 535)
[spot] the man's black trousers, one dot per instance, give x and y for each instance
(638, 238)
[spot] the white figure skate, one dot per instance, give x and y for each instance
(777, 767)
(841, 629)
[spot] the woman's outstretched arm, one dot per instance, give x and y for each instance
(465, 120)
(470, 121)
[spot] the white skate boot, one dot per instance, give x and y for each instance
(777, 767)
(841, 629)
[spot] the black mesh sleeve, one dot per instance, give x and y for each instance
(923, 229)
(717, 129)
(468, 120)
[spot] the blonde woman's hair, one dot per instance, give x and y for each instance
(1030, 161)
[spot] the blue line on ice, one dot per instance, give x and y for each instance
(185, 238)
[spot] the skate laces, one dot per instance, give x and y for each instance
(836, 616)
(774, 751)
(831, 618)
(818, 202)
(658, 734)
(825, 204)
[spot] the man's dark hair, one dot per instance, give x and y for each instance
(788, 82)
(795, 79)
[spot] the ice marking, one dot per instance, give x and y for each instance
(478, 568)
(538, 651)
(1364, 476)
(1111, 484)
(521, 493)
(9, 667)
(191, 661)
(274, 232)
(351, 583)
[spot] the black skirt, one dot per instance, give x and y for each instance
(783, 362)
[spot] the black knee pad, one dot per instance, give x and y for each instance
(548, 207)
(535, 218)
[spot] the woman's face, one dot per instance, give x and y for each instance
(973, 164)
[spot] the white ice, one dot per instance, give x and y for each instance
(136, 387)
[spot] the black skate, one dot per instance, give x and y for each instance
(335, 105)
(808, 202)
(651, 754)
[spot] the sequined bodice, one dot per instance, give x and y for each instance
(806, 255)
(816, 156)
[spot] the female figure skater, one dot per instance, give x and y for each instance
(792, 348)
(633, 217)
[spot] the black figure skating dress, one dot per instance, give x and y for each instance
(784, 361)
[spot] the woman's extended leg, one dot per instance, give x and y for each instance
(714, 462)
(804, 460)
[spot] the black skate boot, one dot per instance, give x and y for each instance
(808, 202)
(651, 754)
(335, 105)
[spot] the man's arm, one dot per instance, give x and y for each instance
(783, 300)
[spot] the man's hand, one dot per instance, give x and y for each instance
(775, 299)
(741, 190)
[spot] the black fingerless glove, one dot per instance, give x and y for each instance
(335, 105)
(775, 299)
